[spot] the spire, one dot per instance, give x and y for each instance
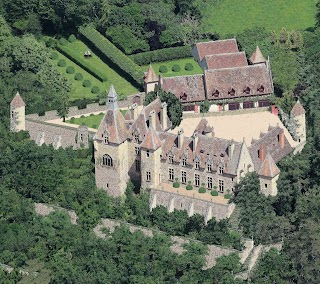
(257, 56)
(17, 101)
(151, 76)
(112, 99)
(268, 167)
(152, 140)
(297, 109)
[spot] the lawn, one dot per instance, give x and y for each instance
(234, 16)
(181, 62)
(77, 50)
(78, 91)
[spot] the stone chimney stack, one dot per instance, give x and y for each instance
(164, 116)
(152, 119)
(180, 138)
(262, 152)
(134, 111)
(231, 149)
(281, 139)
(195, 139)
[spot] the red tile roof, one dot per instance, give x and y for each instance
(17, 101)
(297, 109)
(216, 47)
(257, 56)
(151, 141)
(268, 167)
(151, 76)
(226, 60)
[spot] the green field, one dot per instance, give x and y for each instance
(78, 91)
(77, 50)
(234, 16)
(181, 62)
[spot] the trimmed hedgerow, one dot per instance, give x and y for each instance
(160, 55)
(176, 68)
(163, 69)
(63, 41)
(95, 90)
(72, 38)
(70, 70)
(78, 77)
(62, 63)
(54, 56)
(86, 83)
(214, 193)
(188, 67)
(112, 53)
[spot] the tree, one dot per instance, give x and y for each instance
(63, 106)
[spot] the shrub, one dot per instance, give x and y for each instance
(214, 193)
(176, 68)
(95, 90)
(101, 113)
(163, 69)
(202, 190)
(78, 77)
(227, 196)
(188, 67)
(72, 38)
(54, 56)
(189, 187)
(86, 83)
(160, 55)
(62, 63)
(91, 114)
(176, 184)
(70, 70)
(72, 119)
(63, 41)
(94, 126)
(82, 116)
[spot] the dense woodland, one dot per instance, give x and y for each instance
(30, 173)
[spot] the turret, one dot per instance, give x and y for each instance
(298, 113)
(257, 56)
(151, 81)
(17, 114)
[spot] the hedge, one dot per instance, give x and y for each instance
(112, 53)
(72, 38)
(63, 41)
(70, 70)
(160, 55)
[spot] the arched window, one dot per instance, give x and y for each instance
(232, 92)
(107, 161)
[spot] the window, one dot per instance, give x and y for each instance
(197, 165)
(105, 138)
(246, 91)
(184, 177)
(136, 137)
(107, 161)
(266, 185)
(170, 158)
(196, 180)
(232, 92)
(209, 182)
(136, 150)
(148, 153)
(138, 165)
(260, 89)
(221, 170)
(184, 161)
(278, 137)
(171, 174)
(148, 175)
(221, 186)
(209, 167)
(258, 153)
(215, 93)
(81, 137)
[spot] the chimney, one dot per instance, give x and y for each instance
(180, 138)
(152, 119)
(281, 139)
(194, 141)
(231, 149)
(164, 116)
(262, 152)
(134, 111)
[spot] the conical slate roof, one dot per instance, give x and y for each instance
(151, 76)
(268, 167)
(17, 101)
(257, 56)
(297, 109)
(152, 140)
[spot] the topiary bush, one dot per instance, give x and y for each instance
(95, 90)
(176, 68)
(72, 38)
(202, 190)
(86, 83)
(214, 193)
(163, 69)
(70, 70)
(63, 41)
(91, 114)
(62, 63)
(78, 77)
(176, 184)
(189, 186)
(188, 67)
(72, 119)
(82, 116)
(94, 126)
(54, 56)
(227, 196)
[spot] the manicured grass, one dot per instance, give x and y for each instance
(231, 17)
(181, 62)
(94, 63)
(78, 91)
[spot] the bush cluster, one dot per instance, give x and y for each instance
(160, 55)
(70, 70)
(86, 83)
(163, 69)
(78, 77)
(189, 187)
(72, 38)
(188, 67)
(176, 184)
(214, 193)
(111, 52)
(54, 56)
(63, 41)
(202, 190)
(95, 90)
(176, 68)
(62, 63)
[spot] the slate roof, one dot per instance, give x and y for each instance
(268, 167)
(151, 76)
(151, 141)
(225, 60)
(255, 77)
(216, 47)
(17, 101)
(186, 88)
(297, 109)
(257, 56)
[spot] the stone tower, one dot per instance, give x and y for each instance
(151, 81)
(299, 114)
(17, 114)
(111, 150)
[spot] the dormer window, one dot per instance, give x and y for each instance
(216, 93)
(170, 158)
(260, 89)
(209, 167)
(184, 97)
(105, 138)
(184, 161)
(221, 169)
(232, 92)
(246, 90)
(136, 137)
(197, 165)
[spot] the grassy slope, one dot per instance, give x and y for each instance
(121, 85)
(234, 16)
(180, 62)
(78, 91)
